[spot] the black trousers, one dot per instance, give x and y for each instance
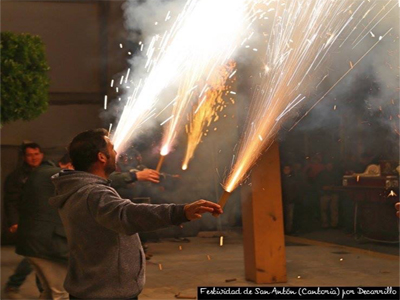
(135, 298)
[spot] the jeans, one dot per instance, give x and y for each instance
(22, 271)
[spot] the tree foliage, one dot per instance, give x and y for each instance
(24, 77)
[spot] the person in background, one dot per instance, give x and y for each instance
(128, 172)
(300, 212)
(40, 236)
(289, 194)
(106, 257)
(32, 155)
(329, 199)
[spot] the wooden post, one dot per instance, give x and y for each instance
(263, 235)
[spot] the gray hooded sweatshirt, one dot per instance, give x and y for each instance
(106, 258)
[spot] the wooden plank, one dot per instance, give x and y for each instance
(263, 234)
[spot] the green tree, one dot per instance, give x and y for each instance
(24, 77)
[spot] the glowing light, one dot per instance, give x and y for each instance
(214, 43)
(207, 110)
(105, 102)
(164, 151)
(300, 36)
(204, 36)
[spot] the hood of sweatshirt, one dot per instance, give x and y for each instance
(68, 182)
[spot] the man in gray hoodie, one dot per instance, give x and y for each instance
(106, 257)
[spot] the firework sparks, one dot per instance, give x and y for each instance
(301, 35)
(204, 36)
(206, 110)
(214, 46)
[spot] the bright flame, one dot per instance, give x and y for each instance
(301, 35)
(207, 108)
(214, 30)
(204, 36)
(164, 151)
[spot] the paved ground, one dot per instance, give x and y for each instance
(202, 262)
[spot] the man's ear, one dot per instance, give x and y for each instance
(102, 157)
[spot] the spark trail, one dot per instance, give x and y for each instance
(204, 36)
(302, 38)
(206, 110)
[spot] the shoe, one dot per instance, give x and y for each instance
(11, 292)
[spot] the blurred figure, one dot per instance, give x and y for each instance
(32, 155)
(300, 212)
(311, 202)
(40, 236)
(130, 170)
(329, 199)
(289, 195)
(397, 205)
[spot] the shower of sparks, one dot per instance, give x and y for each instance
(301, 39)
(204, 36)
(206, 111)
(214, 43)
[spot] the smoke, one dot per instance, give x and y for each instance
(366, 91)
(362, 111)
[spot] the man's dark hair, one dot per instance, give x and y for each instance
(30, 145)
(85, 146)
(65, 159)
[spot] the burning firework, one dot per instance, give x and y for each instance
(299, 41)
(213, 47)
(204, 37)
(207, 110)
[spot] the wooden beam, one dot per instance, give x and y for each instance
(263, 234)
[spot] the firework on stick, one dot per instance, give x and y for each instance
(300, 40)
(204, 36)
(214, 47)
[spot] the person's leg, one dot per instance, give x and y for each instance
(21, 272)
(334, 206)
(324, 201)
(53, 275)
(289, 217)
(46, 293)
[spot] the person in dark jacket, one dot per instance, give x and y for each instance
(106, 257)
(32, 158)
(128, 173)
(329, 199)
(290, 190)
(41, 237)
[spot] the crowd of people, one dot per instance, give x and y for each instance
(75, 230)
(311, 193)
(78, 222)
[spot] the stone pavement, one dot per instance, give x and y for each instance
(179, 267)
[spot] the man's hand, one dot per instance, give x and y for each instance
(148, 175)
(13, 228)
(397, 205)
(194, 210)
